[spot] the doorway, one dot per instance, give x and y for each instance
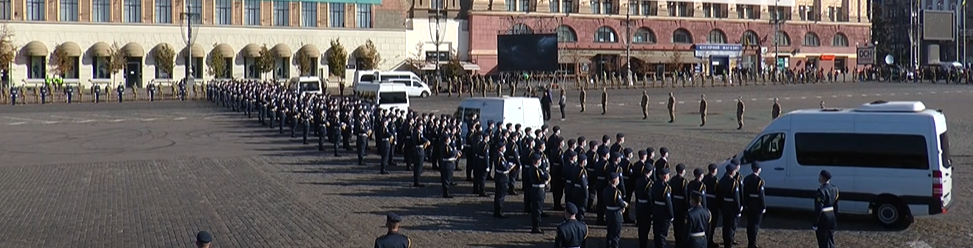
(133, 72)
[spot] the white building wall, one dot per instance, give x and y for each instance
(454, 35)
(388, 42)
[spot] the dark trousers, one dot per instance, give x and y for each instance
(281, 117)
(630, 190)
(499, 193)
(714, 221)
(386, 150)
(293, 122)
(825, 232)
(470, 163)
(346, 140)
(512, 181)
(614, 219)
(753, 227)
(679, 227)
(391, 150)
(696, 242)
(446, 175)
(528, 204)
(272, 117)
(261, 114)
(362, 144)
(337, 140)
(479, 177)
(417, 158)
(306, 125)
(643, 216)
(537, 202)
(601, 205)
(321, 141)
(660, 230)
(562, 111)
(730, 219)
(579, 197)
(557, 186)
(546, 110)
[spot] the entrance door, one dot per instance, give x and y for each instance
(133, 72)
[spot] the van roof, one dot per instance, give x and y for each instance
(876, 107)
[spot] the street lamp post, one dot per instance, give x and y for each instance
(776, 20)
(628, 43)
(438, 41)
(190, 39)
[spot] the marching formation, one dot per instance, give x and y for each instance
(583, 176)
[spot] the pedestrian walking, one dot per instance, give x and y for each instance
(671, 105)
(703, 106)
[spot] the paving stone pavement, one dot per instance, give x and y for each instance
(154, 183)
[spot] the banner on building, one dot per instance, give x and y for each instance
(866, 55)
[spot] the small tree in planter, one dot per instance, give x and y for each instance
(337, 61)
(216, 63)
(265, 63)
(370, 56)
(116, 60)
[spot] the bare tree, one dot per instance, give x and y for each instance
(415, 62)
(8, 51)
(165, 58)
(61, 62)
(116, 60)
(265, 63)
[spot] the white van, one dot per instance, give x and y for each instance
(888, 159)
(525, 111)
(388, 96)
(306, 85)
(378, 76)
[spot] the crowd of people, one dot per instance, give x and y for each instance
(583, 175)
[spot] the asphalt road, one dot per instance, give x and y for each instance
(152, 174)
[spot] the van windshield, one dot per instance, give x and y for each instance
(310, 86)
(367, 78)
(392, 98)
(944, 145)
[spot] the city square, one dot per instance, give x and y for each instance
(154, 173)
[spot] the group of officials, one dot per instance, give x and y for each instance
(587, 175)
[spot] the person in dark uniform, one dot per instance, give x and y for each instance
(420, 143)
(697, 221)
(322, 130)
(697, 186)
(614, 204)
(753, 192)
(482, 164)
(538, 178)
(628, 181)
(579, 179)
(546, 102)
(604, 100)
(555, 154)
(204, 239)
(362, 130)
(662, 212)
(663, 162)
(703, 106)
(712, 202)
(729, 190)
(679, 204)
(448, 164)
(384, 137)
(306, 124)
(602, 168)
(740, 109)
(501, 177)
(825, 207)
(645, 105)
(582, 98)
(775, 110)
(643, 207)
(571, 232)
(393, 239)
(671, 105)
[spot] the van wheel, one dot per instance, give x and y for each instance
(424, 94)
(891, 213)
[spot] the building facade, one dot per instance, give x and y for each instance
(818, 34)
(87, 32)
(448, 19)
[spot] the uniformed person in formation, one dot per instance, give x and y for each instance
(419, 143)
(571, 232)
(645, 105)
(579, 194)
(662, 212)
(729, 190)
(740, 109)
(538, 178)
(362, 130)
(755, 207)
(663, 162)
(712, 202)
(671, 106)
(448, 164)
(697, 221)
(679, 204)
(384, 138)
(775, 110)
(204, 239)
(825, 205)
(703, 106)
(582, 98)
(501, 177)
(393, 239)
(643, 207)
(614, 204)
(604, 100)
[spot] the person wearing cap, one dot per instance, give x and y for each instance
(448, 164)
(663, 161)
(582, 97)
(755, 207)
(703, 106)
(537, 177)
(650, 157)
(203, 239)
(740, 109)
(643, 207)
(555, 153)
(697, 186)
(628, 179)
(605, 140)
(502, 168)
(538, 149)
(393, 239)
(512, 155)
(420, 143)
(662, 212)
(680, 206)
(593, 158)
(569, 161)
(619, 140)
(775, 110)
(581, 145)
(602, 168)
(825, 208)
(613, 206)
(481, 164)
(712, 202)
(697, 221)
(571, 232)
(473, 139)
(671, 105)
(729, 191)
(579, 192)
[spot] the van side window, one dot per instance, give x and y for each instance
(367, 78)
(897, 151)
(944, 145)
(766, 148)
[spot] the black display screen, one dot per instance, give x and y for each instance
(527, 52)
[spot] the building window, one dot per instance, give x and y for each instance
(337, 15)
(566, 35)
(568, 6)
(748, 11)
(37, 68)
(520, 28)
(101, 10)
(831, 14)
(35, 10)
(309, 14)
(364, 15)
(163, 11)
(432, 56)
(607, 7)
(554, 6)
(282, 69)
(436, 4)
(525, 5)
(644, 36)
(649, 8)
(783, 39)
(750, 38)
(224, 12)
(100, 68)
(595, 7)
(252, 12)
(133, 11)
(69, 10)
(196, 7)
(4, 9)
(779, 13)
(250, 68)
(811, 40)
(843, 14)
(73, 72)
(680, 9)
(511, 5)
(681, 36)
(162, 74)
(839, 40)
(282, 13)
(714, 10)
(606, 34)
(716, 37)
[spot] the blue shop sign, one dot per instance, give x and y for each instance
(724, 50)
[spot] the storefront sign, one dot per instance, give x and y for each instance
(866, 55)
(718, 50)
(827, 57)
